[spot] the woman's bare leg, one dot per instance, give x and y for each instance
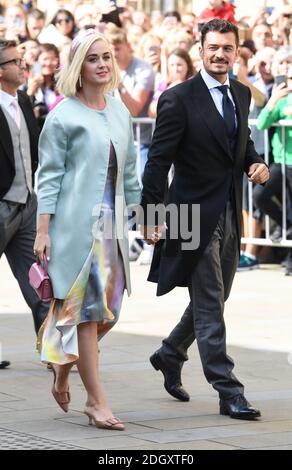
(88, 367)
(62, 376)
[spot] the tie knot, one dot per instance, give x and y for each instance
(14, 103)
(223, 89)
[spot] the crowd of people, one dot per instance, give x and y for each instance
(107, 64)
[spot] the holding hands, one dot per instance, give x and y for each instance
(152, 234)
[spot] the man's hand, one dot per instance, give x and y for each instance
(152, 234)
(258, 173)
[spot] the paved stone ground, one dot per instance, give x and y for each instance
(259, 327)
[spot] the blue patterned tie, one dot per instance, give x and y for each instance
(228, 111)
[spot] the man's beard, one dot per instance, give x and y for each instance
(220, 73)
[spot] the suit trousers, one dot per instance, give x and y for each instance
(209, 288)
(17, 235)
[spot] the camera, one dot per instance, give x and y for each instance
(280, 79)
(154, 49)
(200, 26)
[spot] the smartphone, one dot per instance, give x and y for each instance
(154, 49)
(280, 79)
(89, 26)
(36, 69)
(21, 38)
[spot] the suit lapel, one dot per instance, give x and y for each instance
(25, 111)
(5, 137)
(209, 113)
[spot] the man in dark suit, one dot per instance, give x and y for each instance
(18, 163)
(202, 129)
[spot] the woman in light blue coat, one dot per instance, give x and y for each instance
(86, 182)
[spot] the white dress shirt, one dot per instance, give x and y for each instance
(10, 103)
(216, 94)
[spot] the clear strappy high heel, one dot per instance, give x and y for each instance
(62, 398)
(110, 423)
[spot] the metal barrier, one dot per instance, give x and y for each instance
(267, 241)
(250, 239)
(141, 121)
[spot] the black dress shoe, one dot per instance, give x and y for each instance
(238, 408)
(172, 379)
(4, 364)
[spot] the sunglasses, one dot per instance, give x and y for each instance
(64, 20)
(17, 62)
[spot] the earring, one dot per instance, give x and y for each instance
(80, 81)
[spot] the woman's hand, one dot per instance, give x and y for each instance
(33, 84)
(42, 246)
(279, 92)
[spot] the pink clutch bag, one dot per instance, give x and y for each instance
(40, 281)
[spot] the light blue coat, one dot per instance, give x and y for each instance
(74, 151)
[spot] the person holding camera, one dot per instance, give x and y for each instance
(41, 86)
(15, 20)
(179, 69)
(279, 107)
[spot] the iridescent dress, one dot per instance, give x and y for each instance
(97, 293)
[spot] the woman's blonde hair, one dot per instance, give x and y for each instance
(68, 78)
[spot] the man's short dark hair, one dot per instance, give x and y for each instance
(48, 47)
(6, 44)
(219, 26)
(173, 13)
(36, 14)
